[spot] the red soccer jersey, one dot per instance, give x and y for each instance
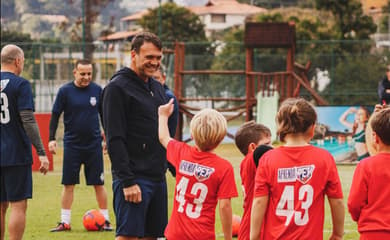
(368, 200)
(201, 179)
(296, 180)
(247, 173)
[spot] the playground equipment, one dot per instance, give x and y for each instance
(286, 84)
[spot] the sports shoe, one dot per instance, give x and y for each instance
(107, 226)
(61, 227)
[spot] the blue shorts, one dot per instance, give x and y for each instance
(93, 166)
(15, 183)
(145, 219)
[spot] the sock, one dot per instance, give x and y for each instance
(105, 214)
(65, 215)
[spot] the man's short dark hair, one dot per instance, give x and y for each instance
(82, 62)
(139, 39)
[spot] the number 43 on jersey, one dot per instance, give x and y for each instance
(286, 204)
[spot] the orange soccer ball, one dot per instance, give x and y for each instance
(236, 225)
(93, 220)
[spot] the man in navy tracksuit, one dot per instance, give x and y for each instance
(130, 119)
(78, 100)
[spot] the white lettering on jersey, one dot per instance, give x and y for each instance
(187, 168)
(3, 84)
(302, 174)
(200, 172)
(287, 174)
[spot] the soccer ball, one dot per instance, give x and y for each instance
(236, 225)
(93, 220)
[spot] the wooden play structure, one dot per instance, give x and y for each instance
(287, 83)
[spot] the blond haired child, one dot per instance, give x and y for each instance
(203, 179)
(368, 201)
(292, 181)
(248, 138)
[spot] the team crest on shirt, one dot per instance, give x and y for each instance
(92, 101)
(200, 172)
(302, 173)
(3, 84)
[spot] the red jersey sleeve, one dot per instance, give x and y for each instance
(357, 198)
(333, 186)
(173, 151)
(228, 188)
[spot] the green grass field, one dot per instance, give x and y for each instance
(44, 209)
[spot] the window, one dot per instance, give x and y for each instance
(218, 18)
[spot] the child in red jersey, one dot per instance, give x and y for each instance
(248, 137)
(292, 181)
(368, 201)
(202, 178)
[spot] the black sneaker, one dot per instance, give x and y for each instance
(107, 226)
(61, 227)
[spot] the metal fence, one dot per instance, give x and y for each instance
(48, 66)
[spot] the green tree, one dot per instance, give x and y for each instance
(14, 37)
(384, 25)
(176, 23)
(353, 66)
(310, 25)
(232, 57)
(179, 24)
(351, 21)
(91, 10)
(355, 80)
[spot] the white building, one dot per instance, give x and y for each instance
(216, 15)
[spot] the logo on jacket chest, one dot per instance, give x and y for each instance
(93, 101)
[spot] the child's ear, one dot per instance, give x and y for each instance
(312, 130)
(377, 139)
(375, 143)
(251, 147)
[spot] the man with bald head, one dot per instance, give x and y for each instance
(18, 131)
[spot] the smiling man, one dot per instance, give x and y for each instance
(79, 100)
(130, 119)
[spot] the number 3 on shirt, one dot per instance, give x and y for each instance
(4, 114)
(181, 190)
(286, 204)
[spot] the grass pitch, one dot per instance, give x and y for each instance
(43, 211)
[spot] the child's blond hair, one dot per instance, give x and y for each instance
(208, 128)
